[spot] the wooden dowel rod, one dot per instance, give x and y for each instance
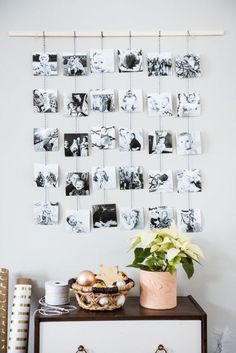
(118, 34)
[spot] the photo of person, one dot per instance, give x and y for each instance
(45, 139)
(131, 100)
(46, 175)
(130, 140)
(160, 181)
(160, 142)
(189, 221)
(44, 64)
(131, 218)
(160, 217)
(76, 104)
(159, 104)
(103, 138)
(188, 66)
(102, 100)
(45, 213)
(131, 178)
(189, 143)
(188, 105)
(76, 145)
(189, 180)
(77, 184)
(45, 101)
(77, 221)
(130, 60)
(102, 60)
(159, 64)
(104, 215)
(103, 178)
(75, 64)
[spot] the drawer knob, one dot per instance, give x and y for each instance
(81, 349)
(161, 348)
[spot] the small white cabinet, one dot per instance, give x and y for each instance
(132, 329)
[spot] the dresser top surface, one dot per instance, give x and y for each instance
(187, 309)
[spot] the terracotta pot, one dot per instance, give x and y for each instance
(158, 290)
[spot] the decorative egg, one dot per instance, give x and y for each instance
(86, 278)
(120, 283)
(120, 300)
(103, 301)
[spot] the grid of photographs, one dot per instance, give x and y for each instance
(76, 144)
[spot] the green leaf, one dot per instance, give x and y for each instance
(140, 266)
(141, 254)
(187, 264)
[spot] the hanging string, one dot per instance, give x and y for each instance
(76, 117)
(160, 118)
(103, 116)
(188, 118)
(45, 116)
(130, 126)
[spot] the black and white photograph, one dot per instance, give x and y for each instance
(77, 221)
(46, 213)
(75, 64)
(189, 221)
(188, 105)
(103, 138)
(131, 178)
(159, 104)
(77, 184)
(159, 64)
(45, 139)
(76, 104)
(46, 175)
(130, 60)
(131, 100)
(104, 215)
(189, 180)
(44, 64)
(160, 217)
(188, 66)
(160, 181)
(102, 100)
(131, 218)
(103, 178)
(76, 145)
(189, 143)
(130, 140)
(45, 101)
(102, 60)
(160, 142)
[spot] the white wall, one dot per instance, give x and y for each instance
(44, 253)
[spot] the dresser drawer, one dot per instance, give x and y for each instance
(142, 336)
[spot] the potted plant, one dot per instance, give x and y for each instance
(157, 253)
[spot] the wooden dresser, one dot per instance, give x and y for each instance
(131, 329)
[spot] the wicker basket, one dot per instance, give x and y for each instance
(105, 298)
